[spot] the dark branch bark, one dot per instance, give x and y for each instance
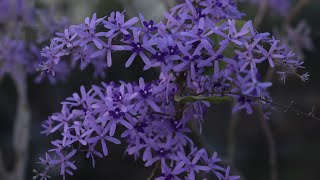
(20, 132)
(273, 166)
(231, 143)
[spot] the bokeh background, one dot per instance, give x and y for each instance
(297, 138)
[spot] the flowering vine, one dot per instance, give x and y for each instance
(24, 28)
(206, 55)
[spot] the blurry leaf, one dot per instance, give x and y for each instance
(239, 24)
(210, 70)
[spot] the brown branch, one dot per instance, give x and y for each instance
(20, 131)
(3, 171)
(162, 114)
(168, 4)
(273, 166)
(286, 108)
(231, 142)
(21, 127)
(261, 13)
(153, 172)
(295, 11)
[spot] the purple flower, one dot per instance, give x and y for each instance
(63, 119)
(162, 152)
(139, 126)
(88, 34)
(102, 137)
(146, 93)
(107, 49)
(249, 59)
(199, 34)
(92, 152)
(47, 126)
(46, 160)
(271, 55)
(117, 113)
(232, 36)
(64, 163)
(77, 137)
(189, 61)
(65, 38)
(200, 59)
(149, 25)
(139, 48)
(167, 173)
(83, 54)
(228, 176)
(243, 103)
(190, 166)
(52, 53)
(117, 24)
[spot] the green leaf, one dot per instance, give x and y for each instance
(240, 24)
(211, 99)
(210, 70)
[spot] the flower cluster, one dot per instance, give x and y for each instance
(91, 118)
(299, 38)
(19, 21)
(205, 57)
(282, 7)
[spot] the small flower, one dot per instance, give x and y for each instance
(102, 137)
(64, 162)
(271, 55)
(305, 77)
(138, 48)
(228, 176)
(52, 53)
(140, 126)
(150, 26)
(117, 113)
(116, 24)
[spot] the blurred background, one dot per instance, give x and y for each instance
(296, 137)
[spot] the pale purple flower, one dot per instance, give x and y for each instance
(102, 137)
(64, 163)
(138, 48)
(228, 176)
(271, 55)
(117, 24)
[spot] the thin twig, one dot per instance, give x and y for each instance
(268, 133)
(20, 131)
(162, 114)
(167, 4)
(3, 172)
(295, 11)
(261, 13)
(154, 170)
(273, 167)
(200, 138)
(286, 108)
(231, 143)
